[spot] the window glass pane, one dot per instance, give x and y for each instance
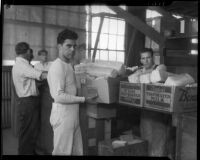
(105, 25)
(121, 27)
(97, 55)
(113, 26)
(152, 14)
(95, 24)
(103, 43)
(120, 56)
(120, 42)
(103, 55)
(112, 42)
(112, 56)
(94, 35)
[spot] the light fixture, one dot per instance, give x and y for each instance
(194, 52)
(194, 40)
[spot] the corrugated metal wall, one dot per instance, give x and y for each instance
(39, 26)
(6, 97)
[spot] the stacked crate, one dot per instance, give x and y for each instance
(99, 118)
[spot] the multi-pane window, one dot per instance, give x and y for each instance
(111, 42)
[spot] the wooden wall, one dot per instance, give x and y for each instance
(39, 26)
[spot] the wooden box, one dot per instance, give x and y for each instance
(106, 88)
(186, 137)
(139, 148)
(100, 110)
(170, 98)
(131, 93)
(98, 130)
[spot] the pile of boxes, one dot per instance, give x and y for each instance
(159, 97)
(99, 119)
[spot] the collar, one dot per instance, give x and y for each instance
(23, 60)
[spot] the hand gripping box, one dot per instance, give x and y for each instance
(170, 98)
(131, 93)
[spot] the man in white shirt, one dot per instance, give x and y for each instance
(65, 108)
(153, 125)
(45, 137)
(43, 65)
(24, 76)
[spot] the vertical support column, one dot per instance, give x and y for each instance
(97, 39)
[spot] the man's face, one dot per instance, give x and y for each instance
(29, 55)
(67, 49)
(43, 56)
(146, 59)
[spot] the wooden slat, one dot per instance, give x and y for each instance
(139, 25)
(6, 96)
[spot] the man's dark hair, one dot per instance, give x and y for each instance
(42, 51)
(21, 48)
(66, 34)
(147, 50)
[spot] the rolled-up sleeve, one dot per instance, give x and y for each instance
(31, 72)
(57, 83)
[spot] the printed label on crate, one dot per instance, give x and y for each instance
(158, 96)
(130, 93)
(155, 88)
(187, 95)
(186, 98)
(158, 99)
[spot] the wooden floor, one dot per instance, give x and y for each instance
(10, 142)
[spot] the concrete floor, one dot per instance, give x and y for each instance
(10, 142)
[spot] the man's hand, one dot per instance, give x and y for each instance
(43, 75)
(91, 98)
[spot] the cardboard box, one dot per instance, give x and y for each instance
(107, 88)
(170, 98)
(131, 94)
(139, 148)
(100, 110)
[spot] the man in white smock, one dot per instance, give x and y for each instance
(64, 116)
(43, 65)
(154, 126)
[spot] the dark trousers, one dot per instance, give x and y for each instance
(45, 136)
(28, 116)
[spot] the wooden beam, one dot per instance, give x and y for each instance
(97, 39)
(103, 14)
(130, 45)
(139, 25)
(163, 12)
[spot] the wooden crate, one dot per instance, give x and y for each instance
(100, 110)
(139, 148)
(170, 98)
(131, 94)
(98, 130)
(186, 136)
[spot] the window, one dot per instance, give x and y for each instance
(153, 19)
(111, 42)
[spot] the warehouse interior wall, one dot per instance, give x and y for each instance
(39, 26)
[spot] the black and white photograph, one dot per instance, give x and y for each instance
(100, 79)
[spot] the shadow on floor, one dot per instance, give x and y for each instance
(10, 142)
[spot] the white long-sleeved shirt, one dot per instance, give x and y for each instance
(62, 83)
(42, 67)
(24, 76)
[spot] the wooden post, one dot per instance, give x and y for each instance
(97, 39)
